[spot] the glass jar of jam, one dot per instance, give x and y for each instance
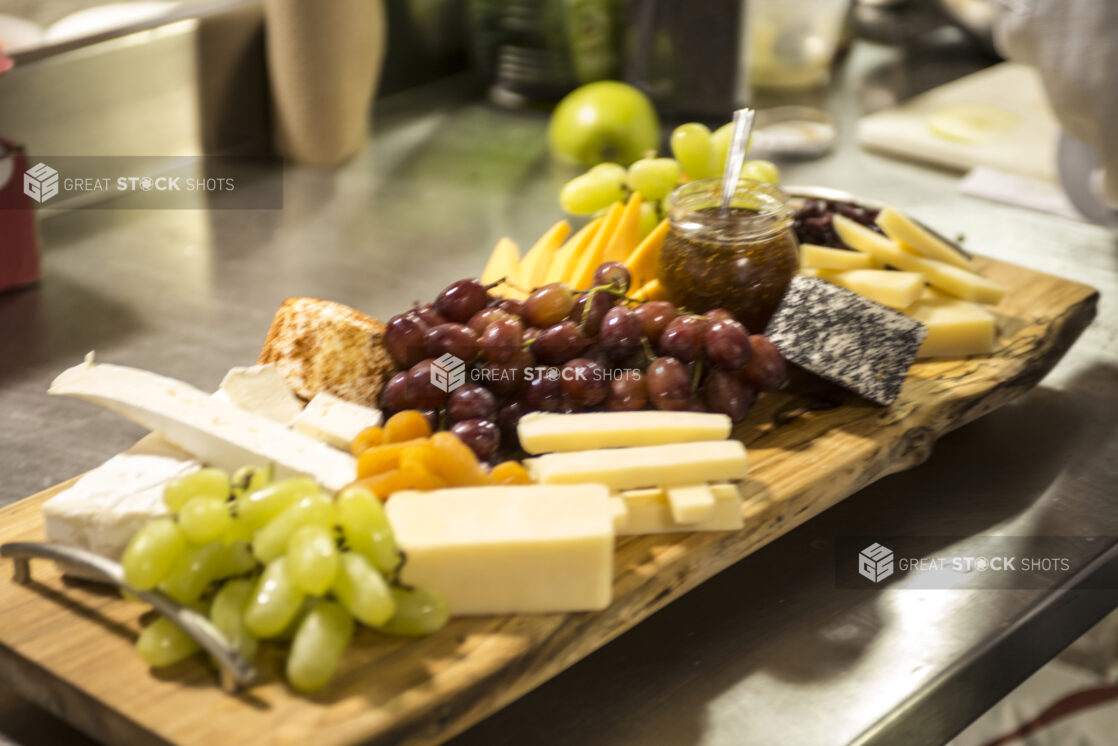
(741, 261)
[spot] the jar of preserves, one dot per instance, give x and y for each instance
(741, 260)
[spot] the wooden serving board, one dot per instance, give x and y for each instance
(69, 647)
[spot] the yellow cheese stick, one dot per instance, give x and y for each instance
(823, 257)
(647, 466)
(955, 327)
(644, 263)
(646, 511)
(542, 432)
(904, 230)
(503, 262)
(690, 503)
(953, 280)
(588, 261)
(563, 263)
(625, 238)
(534, 265)
(889, 288)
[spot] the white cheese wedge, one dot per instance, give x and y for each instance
(215, 432)
(647, 466)
(887, 287)
(955, 327)
(508, 550)
(541, 432)
(963, 283)
(825, 257)
(335, 421)
(905, 230)
(646, 511)
(108, 504)
(691, 503)
(260, 389)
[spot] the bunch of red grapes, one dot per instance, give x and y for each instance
(562, 350)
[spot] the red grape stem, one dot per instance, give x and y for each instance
(501, 281)
(697, 375)
(647, 348)
(506, 281)
(614, 292)
(589, 302)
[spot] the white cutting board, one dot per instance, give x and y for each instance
(1027, 149)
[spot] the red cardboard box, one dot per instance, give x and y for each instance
(19, 252)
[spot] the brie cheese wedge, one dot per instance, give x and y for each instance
(215, 432)
(106, 506)
(335, 421)
(261, 389)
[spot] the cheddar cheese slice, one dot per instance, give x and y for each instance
(535, 264)
(625, 238)
(588, 261)
(563, 264)
(643, 264)
(503, 262)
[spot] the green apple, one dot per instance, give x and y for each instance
(603, 121)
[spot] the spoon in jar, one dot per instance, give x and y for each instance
(735, 159)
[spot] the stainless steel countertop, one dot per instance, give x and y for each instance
(767, 652)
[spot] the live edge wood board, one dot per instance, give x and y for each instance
(69, 647)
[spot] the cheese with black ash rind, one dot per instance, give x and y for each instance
(845, 338)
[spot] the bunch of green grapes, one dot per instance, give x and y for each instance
(275, 560)
(699, 154)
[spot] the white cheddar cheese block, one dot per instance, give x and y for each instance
(260, 389)
(541, 432)
(215, 432)
(508, 549)
(107, 505)
(692, 503)
(953, 280)
(824, 257)
(647, 466)
(646, 511)
(904, 230)
(335, 421)
(955, 327)
(887, 287)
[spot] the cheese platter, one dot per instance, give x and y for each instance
(561, 446)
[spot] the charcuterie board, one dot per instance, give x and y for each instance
(69, 646)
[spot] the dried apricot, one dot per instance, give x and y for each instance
(455, 462)
(366, 439)
(407, 425)
(509, 472)
(380, 459)
(423, 455)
